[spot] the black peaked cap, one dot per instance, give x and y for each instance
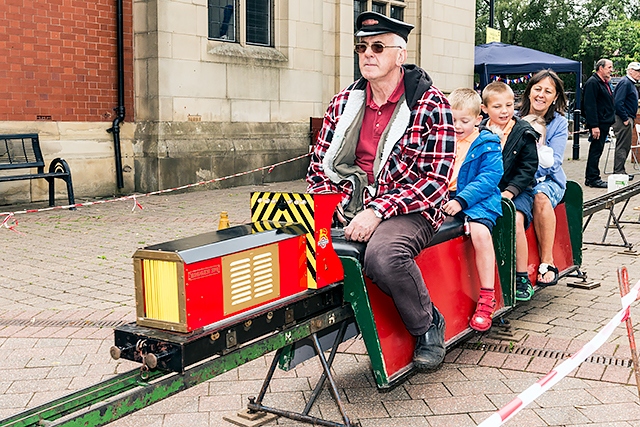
(373, 23)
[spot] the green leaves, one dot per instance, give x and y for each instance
(584, 30)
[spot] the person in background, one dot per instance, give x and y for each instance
(474, 193)
(625, 98)
(520, 162)
(599, 114)
(545, 98)
(387, 144)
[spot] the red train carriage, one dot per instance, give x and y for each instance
(214, 294)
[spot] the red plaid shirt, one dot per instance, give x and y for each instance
(415, 176)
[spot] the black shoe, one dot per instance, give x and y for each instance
(598, 183)
(430, 349)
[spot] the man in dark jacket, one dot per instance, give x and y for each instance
(600, 115)
(626, 104)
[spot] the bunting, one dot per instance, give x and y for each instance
(522, 79)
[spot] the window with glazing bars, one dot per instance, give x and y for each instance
(359, 6)
(259, 22)
(380, 8)
(397, 13)
(224, 21)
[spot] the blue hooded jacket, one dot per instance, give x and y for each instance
(477, 189)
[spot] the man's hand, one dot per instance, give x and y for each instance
(507, 194)
(626, 122)
(362, 226)
(595, 133)
(452, 207)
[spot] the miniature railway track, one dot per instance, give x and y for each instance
(84, 398)
(187, 361)
(126, 393)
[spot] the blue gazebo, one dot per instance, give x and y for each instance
(500, 59)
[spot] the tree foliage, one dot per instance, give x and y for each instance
(583, 30)
(618, 41)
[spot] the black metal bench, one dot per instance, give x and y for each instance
(22, 151)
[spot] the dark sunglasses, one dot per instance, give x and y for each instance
(376, 47)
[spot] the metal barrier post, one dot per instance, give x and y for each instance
(623, 283)
(576, 134)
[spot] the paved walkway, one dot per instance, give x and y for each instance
(67, 279)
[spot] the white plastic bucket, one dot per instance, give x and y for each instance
(617, 181)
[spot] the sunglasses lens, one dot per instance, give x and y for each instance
(377, 47)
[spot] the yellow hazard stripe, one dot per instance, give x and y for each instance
(288, 207)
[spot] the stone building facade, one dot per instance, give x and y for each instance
(212, 87)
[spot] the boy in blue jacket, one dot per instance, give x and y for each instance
(474, 193)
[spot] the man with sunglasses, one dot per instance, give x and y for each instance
(387, 144)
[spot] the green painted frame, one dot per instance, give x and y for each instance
(504, 245)
(573, 201)
(355, 293)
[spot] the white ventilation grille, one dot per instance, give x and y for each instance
(250, 278)
(262, 275)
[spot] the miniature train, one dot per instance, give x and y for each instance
(210, 295)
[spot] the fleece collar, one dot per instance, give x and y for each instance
(354, 104)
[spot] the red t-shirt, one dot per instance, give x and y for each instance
(376, 118)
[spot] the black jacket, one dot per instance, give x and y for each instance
(519, 157)
(598, 103)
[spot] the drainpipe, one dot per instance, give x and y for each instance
(115, 129)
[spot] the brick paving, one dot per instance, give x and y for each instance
(68, 275)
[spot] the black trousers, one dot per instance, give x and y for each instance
(389, 262)
(596, 147)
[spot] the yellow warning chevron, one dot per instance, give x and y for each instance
(268, 209)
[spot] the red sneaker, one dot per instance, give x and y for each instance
(481, 319)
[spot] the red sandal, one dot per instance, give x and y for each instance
(481, 319)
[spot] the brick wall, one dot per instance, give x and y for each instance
(59, 60)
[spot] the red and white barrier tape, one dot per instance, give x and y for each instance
(10, 224)
(562, 370)
(134, 197)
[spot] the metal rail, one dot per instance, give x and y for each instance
(608, 202)
(126, 393)
(78, 400)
